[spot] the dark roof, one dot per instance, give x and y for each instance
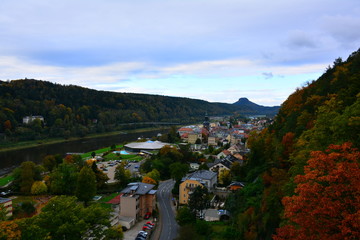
(201, 174)
(138, 188)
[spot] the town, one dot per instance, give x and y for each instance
(151, 186)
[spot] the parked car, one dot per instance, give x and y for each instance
(143, 233)
(147, 215)
(150, 223)
(149, 226)
(146, 228)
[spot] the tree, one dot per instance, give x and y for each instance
(64, 218)
(326, 204)
(149, 180)
(224, 177)
(122, 175)
(101, 177)
(114, 233)
(38, 187)
(9, 230)
(185, 216)
(178, 170)
(154, 174)
(49, 162)
(26, 176)
(64, 179)
(86, 185)
(93, 154)
(198, 199)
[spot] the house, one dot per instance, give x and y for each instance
(137, 199)
(186, 188)
(202, 178)
(29, 119)
(7, 204)
(223, 163)
(223, 154)
(212, 140)
(192, 137)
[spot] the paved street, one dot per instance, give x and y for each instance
(170, 227)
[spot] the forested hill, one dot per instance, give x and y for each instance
(73, 110)
(303, 171)
(245, 103)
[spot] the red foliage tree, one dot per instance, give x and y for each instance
(326, 204)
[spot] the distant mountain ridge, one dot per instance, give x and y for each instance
(247, 105)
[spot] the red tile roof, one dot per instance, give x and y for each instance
(115, 200)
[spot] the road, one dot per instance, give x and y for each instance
(169, 229)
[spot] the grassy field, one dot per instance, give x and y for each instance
(99, 151)
(5, 180)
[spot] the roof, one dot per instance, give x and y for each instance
(138, 188)
(4, 200)
(115, 200)
(149, 145)
(201, 174)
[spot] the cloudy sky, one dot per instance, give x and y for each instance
(216, 50)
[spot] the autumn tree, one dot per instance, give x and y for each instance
(149, 180)
(224, 177)
(326, 204)
(9, 230)
(49, 162)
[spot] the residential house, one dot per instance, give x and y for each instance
(223, 163)
(192, 137)
(223, 154)
(6, 203)
(137, 199)
(202, 178)
(29, 119)
(212, 140)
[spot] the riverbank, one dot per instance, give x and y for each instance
(42, 142)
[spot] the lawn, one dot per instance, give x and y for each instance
(5, 180)
(99, 151)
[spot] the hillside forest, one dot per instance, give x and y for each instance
(76, 111)
(303, 171)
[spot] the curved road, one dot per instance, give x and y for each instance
(169, 229)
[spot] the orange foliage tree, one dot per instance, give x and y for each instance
(326, 204)
(9, 230)
(149, 180)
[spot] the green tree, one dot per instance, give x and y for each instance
(64, 179)
(86, 185)
(178, 170)
(49, 162)
(154, 174)
(199, 199)
(38, 187)
(122, 175)
(184, 216)
(64, 218)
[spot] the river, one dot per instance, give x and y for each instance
(14, 158)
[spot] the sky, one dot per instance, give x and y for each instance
(215, 50)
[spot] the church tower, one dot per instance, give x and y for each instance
(206, 123)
